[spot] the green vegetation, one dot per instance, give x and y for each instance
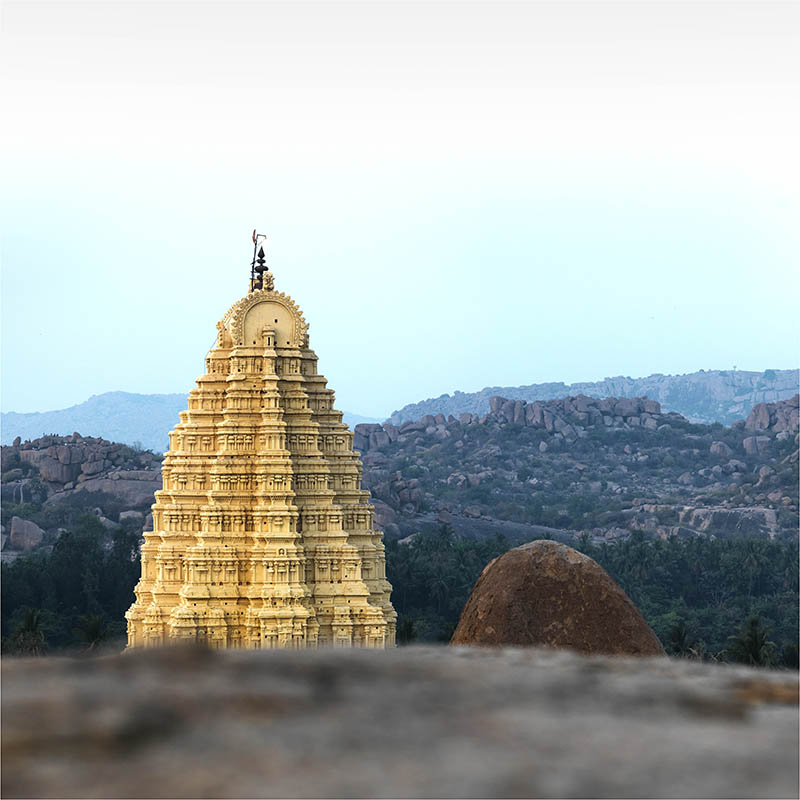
(432, 578)
(709, 588)
(75, 596)
(28, 638)
(696, 594)
(751, 645)
(66, 512)
(733, 600)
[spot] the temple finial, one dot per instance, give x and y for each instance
(258, 266)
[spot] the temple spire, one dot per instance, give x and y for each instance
(262, 535)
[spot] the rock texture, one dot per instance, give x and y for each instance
(25, 535)
(705, 396)
(608, 467)
(545, 593)
(775, 417)
(413, 722)
(52, 472)
(53, 468)
(567, 418)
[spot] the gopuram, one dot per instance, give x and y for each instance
(262, 536)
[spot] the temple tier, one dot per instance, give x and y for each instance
(262, 536)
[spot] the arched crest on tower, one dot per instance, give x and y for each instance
(234, 319)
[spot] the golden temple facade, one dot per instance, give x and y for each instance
(262, 535)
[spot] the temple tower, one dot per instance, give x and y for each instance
(262, 535)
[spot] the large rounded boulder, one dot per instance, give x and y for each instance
(545, 593)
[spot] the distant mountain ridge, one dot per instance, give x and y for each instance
(145, 419)
(135, 419)
(706, 396)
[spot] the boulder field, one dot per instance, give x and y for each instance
(46, 475)
(608, 467)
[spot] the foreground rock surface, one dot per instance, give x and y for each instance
(412, 722)
(545, 593)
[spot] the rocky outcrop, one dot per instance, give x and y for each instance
(545, 593)
(775, 417)
(413, 722)
(718, 521)
(55, 469)
(492, 473)
(705, 396)
(66, 462)
(731, 522)
(628, 464)
(721, 449)
(24, 535)
(757, 445)
(133, 488)
(567, 418)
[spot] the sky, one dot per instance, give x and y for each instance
(457, 194)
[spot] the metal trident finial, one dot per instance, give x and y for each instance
(257, 266)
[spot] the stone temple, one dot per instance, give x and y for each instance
(262, 536)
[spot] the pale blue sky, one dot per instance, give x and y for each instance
(457, 195)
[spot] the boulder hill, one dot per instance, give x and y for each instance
(604, 466)
(607, 467)
(706, 396)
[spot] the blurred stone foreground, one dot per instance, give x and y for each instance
(411, 722)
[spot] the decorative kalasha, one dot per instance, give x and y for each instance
(262, 536)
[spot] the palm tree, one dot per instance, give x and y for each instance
(405, 631)
(28, 638)
(400, 574)
(91, 630)
(438, 589)
(678, 639)
(752, 645)
(751, 564)
(789, 656)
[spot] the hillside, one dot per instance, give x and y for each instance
(142, 420)
(707, 396)
(696, 515)
(605, 468)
